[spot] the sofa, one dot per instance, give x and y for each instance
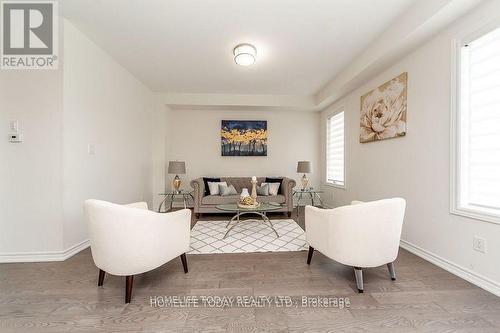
(206, 203)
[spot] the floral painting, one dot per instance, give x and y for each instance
(383, 111)
(244, 138)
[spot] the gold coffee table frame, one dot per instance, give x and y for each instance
(261, 211)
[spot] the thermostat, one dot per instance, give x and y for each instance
(16, 138)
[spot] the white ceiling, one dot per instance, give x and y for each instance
(186, 45)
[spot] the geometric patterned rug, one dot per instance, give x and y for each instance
(247, 236)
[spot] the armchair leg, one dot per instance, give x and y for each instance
(310, 255)
(101, 277)
(129, 281)
(184, 262)
(392, 272)
(358, 272)
(289, 214)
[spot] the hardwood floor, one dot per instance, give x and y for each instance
(64, 297)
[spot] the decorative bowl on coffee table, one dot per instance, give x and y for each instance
(254, 205)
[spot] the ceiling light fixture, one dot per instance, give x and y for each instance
(244, 54)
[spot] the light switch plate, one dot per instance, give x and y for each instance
(91, 149)
(14, 125)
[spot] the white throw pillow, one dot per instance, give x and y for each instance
(213, 187)
(273, 188)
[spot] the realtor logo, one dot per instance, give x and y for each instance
(29, 34)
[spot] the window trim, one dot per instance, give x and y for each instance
(337, 110)
(456, 207)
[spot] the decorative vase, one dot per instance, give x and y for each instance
(244, 193)
(254, 189)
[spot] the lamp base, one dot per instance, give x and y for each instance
(305, 181)
(176, 183)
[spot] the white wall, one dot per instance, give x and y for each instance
(417, 166)
(194, 136)
(45, 179)
(106, 106)
(31, 172)
(159, 150)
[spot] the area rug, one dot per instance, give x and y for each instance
(247, 236)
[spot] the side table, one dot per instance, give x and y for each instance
(312, 193)
(184, 194)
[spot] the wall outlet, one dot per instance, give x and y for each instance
(16, 138)
(479, 244)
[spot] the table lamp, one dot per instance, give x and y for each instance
(176, 168)
(304, 167)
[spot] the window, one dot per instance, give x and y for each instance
(335, 150)
(477, 129)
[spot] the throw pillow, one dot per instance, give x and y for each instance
(225, 190)
(273, 188)
(214, 187)
(275, 180)
(263, 190)
(206, 180)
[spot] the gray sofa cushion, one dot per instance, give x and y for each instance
(227, 190)
(272, 198)
(263, 190)
(218, 200)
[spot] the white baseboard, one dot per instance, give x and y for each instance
(44, 256)
(462, 272)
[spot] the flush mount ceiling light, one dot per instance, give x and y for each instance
(244, 54)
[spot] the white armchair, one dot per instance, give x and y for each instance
(130, 239)
(361, 235)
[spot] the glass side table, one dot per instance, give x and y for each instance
(308, 192)
(184, 194)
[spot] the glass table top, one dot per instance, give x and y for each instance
(180, 192)
(233, 207)
(307, 190)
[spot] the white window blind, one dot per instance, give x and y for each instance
(479, 138)
(335, 149)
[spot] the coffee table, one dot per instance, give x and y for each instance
(261, 211)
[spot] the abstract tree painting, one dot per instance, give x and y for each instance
(244, 138)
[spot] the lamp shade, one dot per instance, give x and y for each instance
(304, 167)
(176, 167)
